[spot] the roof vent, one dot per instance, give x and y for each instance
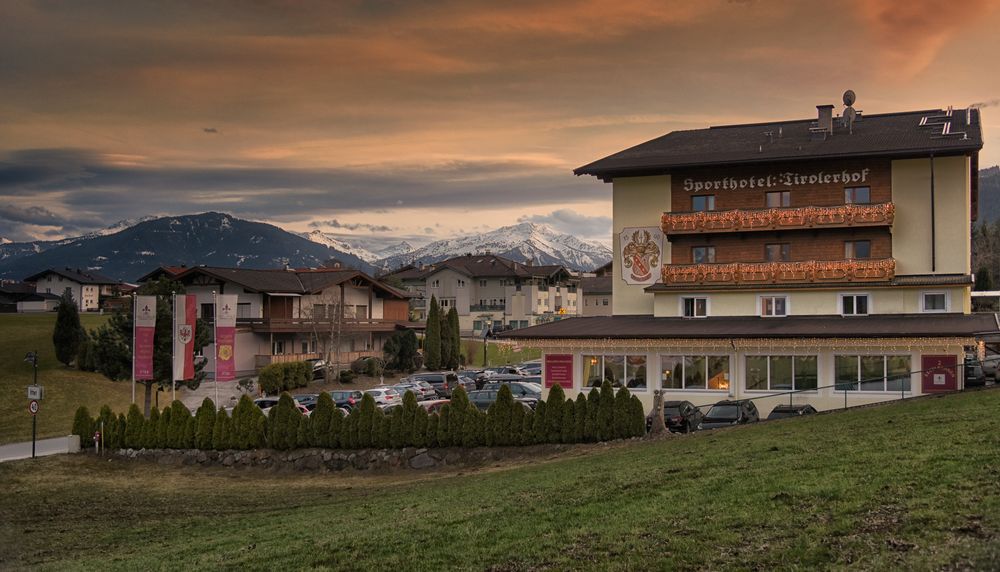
(824, 123)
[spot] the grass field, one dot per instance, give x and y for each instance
(65, 388)
(498, 353)
(911, 486)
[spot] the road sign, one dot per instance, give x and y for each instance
(33, 406)
(35, 392)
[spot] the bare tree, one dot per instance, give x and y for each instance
(326, 318)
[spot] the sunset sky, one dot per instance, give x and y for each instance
(423, 120)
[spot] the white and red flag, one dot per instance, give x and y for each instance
(145, 328)
(225, 337)
(184, 324)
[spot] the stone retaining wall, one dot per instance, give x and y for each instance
(325, 460)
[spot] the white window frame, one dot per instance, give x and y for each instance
(684, 388)
(840, 303)
(885, 373)
(760, 305)
(792, 355)
(584, 388)
(683, 298)
(923, 305)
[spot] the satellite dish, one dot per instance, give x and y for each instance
(849, 98)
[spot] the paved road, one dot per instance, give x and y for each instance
(43, 447)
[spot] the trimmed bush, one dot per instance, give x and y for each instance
(106, 423)
(223, 433)
(554, 414)
(540, 428)
(120, 432)
(516, 423)
(134, 425)
(581, 412)
(359, 366)
(336, 429)
(303, 435)
(409, 411)
(606, 413)
(321, 417)
(349, 438)
(637, 418)
(163, 429)
(271, 378)
(150, 429)
(459, 406)
(419, 430)
(179, 416)
(568, 434)
(527, 434)
(366, 414)
(622, 410)
(432, 430)
(381, 429)
(499, 417)
(590, 431)
(443, 426)
(248, 425)
(396, 437)
(204, 424)
(283, 423)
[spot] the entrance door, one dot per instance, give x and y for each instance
(939, 373)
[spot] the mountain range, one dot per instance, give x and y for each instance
(129, 249)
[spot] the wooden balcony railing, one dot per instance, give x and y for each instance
(347, 325)
(820, 271)
(742, 220)
(260, 360)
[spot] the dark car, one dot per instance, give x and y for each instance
(974, 374)
(443, 382)
(347, 398)
(518, 388)
(727, 412)
(783, 411)
(486, 397)
(678, 416)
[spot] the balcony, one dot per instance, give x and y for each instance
(321, 325)
(346, 357)
(805, 272)
(487, 308)
(785, 218)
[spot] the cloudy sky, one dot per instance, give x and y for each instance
(422, 120)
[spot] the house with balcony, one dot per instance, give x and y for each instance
(297, 314)
(822, 261)
(86, 287)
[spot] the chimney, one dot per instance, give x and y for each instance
(825, 121)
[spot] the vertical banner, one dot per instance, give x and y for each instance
(145, 327)
(225, 338)
(559, 370)
(184, 324)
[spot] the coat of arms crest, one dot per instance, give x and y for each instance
(640, 255)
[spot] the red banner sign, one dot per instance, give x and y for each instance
(184, 324)
(225, 338)
(144, 331)
(559, 370)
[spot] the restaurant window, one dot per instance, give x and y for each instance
(703, 203)
(620, 370)
(773, 306)
(854, 304)
(776, 199)
(933, 302)
(857, 195)
(694, 307)
(857, 249)
(872, 373)
(781, 373)
(778, 252)
(702, 254)
(694, 372)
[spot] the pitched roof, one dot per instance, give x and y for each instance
(493, 266)
(874, 326)
(596, 284)
(76, 275)
(882, 135)
(279, 281)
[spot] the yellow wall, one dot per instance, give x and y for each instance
(638, 201)
(911, 236)
(896, 300)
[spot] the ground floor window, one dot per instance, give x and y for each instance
(621, 370)
(695, 372)
(780, 373)
(872, 373)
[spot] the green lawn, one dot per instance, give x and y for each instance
(498, 353)
(65, 388)
(910, 486)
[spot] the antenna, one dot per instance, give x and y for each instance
(850, 114)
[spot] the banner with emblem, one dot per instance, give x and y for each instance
(640, 254)
(184, 324)
(225, 337)
(143, 334)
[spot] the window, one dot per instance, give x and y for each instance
(703, 203)
(702, 254)
(482, 284)
(305, 346)
(857, 195)
(694, 307)
(207, 311)
(779, 252)
(277, 348)
(461, 283)
(243, 310)
(435, 284)
(858, 249)
(604, 302)
(695, 372)
(854, 304)
(621, 370)
(872, 373)
(934, 302)
(781, 373)
(776, 199)
(771, 306)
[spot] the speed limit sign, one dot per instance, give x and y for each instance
(33, 406)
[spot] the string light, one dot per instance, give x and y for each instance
(778, 218)
(851, 270)
(755, 344)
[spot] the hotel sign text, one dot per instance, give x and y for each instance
(786, 179)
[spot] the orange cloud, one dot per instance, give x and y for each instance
(910, 34)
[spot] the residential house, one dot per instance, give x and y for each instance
(86, 287)
(596, 293)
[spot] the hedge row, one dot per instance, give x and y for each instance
(600, 416)
(278, 377)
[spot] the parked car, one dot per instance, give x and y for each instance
(318, 367)
(783, 411)
(385, 395)
(388, 408)
(486, 397)
(727, 412)
(536, 379)
(443, 382)
(518, 388)
(417, 390)
(306, 398)
(266, 403)
(502, 369)
(434, 405)
(678, 416)
(531, 368)
(346, 398)
(974, 374)
(989, 364)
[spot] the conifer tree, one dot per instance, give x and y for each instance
(336, 430)
(205, 424)
(444, 426)
(419, 432)
(366, 415)
(456, 338)
(221, 417)
(120, 432)
(303, 435)
(591, 431)
(516, 424)
(500, 414)
(432, 430)
(637, 418)
(580, 412)
(283, 423)
(150, 430)
(163, 429)
(554, 413)
(432, 337)
(105, 423)
(134, 425)
(459, 406)
(397, 437)
(540, 428)
(606, 413)
(568, 422)
(527, 436)
(321, 418)
(68, 333)
(349, 436)
(179, 417)
(622, 410)
(446, 346)
(409, 411)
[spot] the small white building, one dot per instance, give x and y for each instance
(85, 286)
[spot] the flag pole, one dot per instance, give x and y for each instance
(134, 312)
(173, 345)
(215, 337)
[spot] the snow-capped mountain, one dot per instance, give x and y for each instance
(521, 242)
(402, 248)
